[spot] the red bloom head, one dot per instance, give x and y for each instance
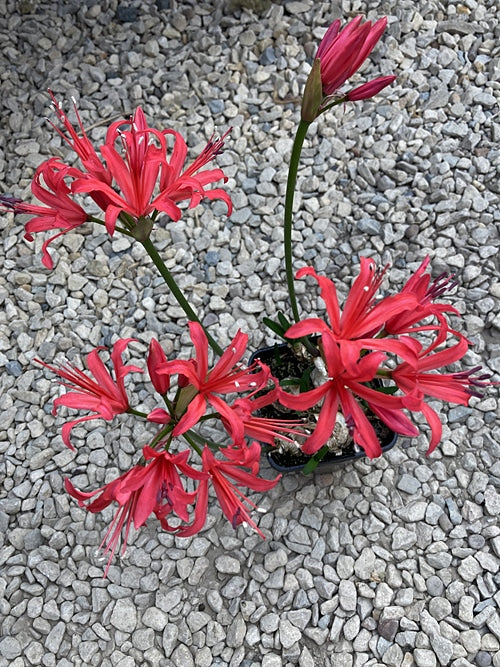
(340, 54)
(343, 51)
(145, 178)
(141, 491)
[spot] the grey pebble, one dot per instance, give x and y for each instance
(347, 595)
(124, 616)
(10, 648)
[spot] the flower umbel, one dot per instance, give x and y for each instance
(144, 180)
(358, 345)
(141, 491)
(340, 54)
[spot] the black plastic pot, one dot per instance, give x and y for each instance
(281, 357)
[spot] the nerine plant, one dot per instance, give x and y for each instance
(365, 356)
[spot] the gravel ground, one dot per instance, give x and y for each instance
(391, 562)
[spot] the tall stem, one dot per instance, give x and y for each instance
(287, 231)
(174, 288)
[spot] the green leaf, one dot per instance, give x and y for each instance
(386, 390)
(283, 321)
(275, 327)
(312, 464)
(305, 380)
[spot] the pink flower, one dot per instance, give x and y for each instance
(160, 487)
(81, 145)
(370, 89)
(153, 488)
(425, 293)
(342, 389)
(361, 318)
(146, 180)
(416, 382)
(227, 376)
(231, 499)
(122, 517)
(60, 212)
(104, 396)
(177, 184)
(343, 51)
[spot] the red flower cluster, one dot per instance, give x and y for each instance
(340, 54)
(366, 341)
(360, 341)
(198, 392)
(137, 176)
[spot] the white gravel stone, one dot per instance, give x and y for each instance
(10, 648)
(124, 616)
(275, 559)
(288, 633)
(347, 595)
(424, 657)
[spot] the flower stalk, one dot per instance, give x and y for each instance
(288, 226)
(291, 184)
(174, 288)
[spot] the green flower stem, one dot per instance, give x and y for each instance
(192, 443)
(290, 192)
(181, 300)
(333, 104)
(137, 413)
(287, 231)
(117, 229)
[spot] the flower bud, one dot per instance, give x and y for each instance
(369, 89)
(156, 358)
